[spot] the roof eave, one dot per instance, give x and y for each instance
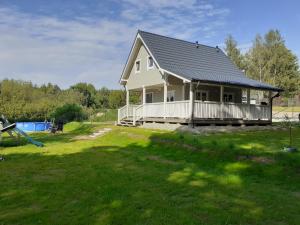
(238, 85)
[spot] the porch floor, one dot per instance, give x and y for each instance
(203, 121)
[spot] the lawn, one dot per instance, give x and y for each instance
(286, 109)
(135, 176)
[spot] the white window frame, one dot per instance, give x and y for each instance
(229, 93)
(202, 91)
(136, 61)
(150, 67)
(147, 93)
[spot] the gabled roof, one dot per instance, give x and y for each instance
(196, 62)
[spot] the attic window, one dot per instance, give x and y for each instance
(150, 63)
(138, 66)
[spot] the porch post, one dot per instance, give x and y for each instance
(127, 101)
(248, 103)
(191, 104)
(165, 97)
(144, 101)
(221, 100)
(183, 91)
(270, 105)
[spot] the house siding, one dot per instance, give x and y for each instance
(144, 77)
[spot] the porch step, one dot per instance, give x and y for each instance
(129, 123)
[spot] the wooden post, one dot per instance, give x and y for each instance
(270, 105)
(248, 103)
(165, 97)
(127, 102)
(191, 104)
(144, 101)
(221, 100)
(119, 121)
(183, 91)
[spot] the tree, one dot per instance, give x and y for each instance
(234, 53)
(88, 91)
(255, 60)
(68, 113)
(116, 98)
(271, 62)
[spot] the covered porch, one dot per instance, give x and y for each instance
(177, 100)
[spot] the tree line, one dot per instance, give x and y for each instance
(24, 101)
(268, 60)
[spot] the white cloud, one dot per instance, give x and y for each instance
(92, 49)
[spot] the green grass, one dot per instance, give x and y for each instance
(286, 109)
(108, 115)
(135, 176)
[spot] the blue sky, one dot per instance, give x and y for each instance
(70, 41)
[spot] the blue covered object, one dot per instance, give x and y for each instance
(33, 126)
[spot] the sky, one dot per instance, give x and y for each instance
(69, 41)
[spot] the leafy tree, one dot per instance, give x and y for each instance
(116, 99)
(256, 60)
(234, 53)
(69, 112)
(271, 62)
(88, 91)
(102, 98)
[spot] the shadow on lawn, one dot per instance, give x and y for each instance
(174, 179)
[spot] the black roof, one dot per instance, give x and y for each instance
(197, 62)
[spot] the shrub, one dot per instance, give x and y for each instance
(68, 113)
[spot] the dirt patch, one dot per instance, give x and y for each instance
(94, 135)
(257, 159)
(160, 160)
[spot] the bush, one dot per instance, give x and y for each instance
(68, 113)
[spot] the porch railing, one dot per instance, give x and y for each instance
(209, 110)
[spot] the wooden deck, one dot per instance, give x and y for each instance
(205, 113)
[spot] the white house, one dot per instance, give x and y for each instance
(189, 83)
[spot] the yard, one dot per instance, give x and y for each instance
(135, 176)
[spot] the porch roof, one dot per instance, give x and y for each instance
(197, 62)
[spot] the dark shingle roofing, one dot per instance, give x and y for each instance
(205, 63)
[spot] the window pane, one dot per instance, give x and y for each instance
(150, 62)
(137, 66)
(204, 96)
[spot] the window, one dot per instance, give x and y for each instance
(150, 63)
(228, 97)
(202, 95)
(138, 66)
(149, 97)
(171, 96)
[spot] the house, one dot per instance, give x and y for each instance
(189, 83)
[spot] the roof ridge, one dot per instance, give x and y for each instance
(176, 39)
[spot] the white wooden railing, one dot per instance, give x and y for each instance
(209, 110)
(178, 109)
(212, 110)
